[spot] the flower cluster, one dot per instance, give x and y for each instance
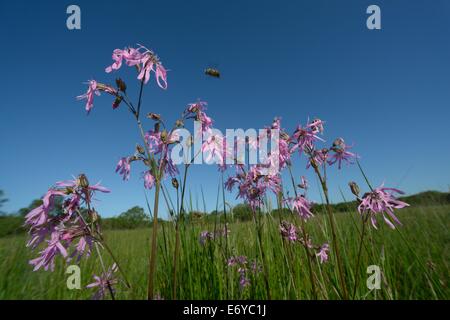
(145, 60)
(74, 227)
(300, 205)
(206, 236)
(291, 234)
(253, 185)
(244, 267)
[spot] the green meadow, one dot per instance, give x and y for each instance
(413, 260)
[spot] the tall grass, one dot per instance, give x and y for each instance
(413, 260)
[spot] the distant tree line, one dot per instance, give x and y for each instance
(136, 217)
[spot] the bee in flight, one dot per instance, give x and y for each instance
(212, 72)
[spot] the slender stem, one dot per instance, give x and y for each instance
(305, 245)
(105, 245)
(152, 262)
(104, 271)
(263, 256)
(177, 234)
(138, 112)
(359, 255)
(333, 228)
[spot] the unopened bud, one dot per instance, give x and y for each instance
(140, 149)
(132, 158)
(156, 127)
(94, 216)
(153, 116)
(121, 85)
(284, 136)
(117, 102)
(339, 142)
(179, 123)
(354, 188)
(175, 183)
(83, 181)
(190, 141)
(164, 136)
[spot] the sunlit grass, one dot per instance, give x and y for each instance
(414, 261)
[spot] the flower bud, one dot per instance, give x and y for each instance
(354, 188)
(175, 183)
(140, 149)
(339, 142)
(190, 141)
(284, 136)
(121, 85)
(179, 123)
(117, 102)
(156, 127)
(164, 136)
(154, 116)
(95, 216)
(83, 181)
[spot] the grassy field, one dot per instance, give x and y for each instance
(414, 261)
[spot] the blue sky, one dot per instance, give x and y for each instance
(387, 91)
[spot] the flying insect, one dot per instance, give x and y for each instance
(212, 72)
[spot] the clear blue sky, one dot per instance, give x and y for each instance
(387, 91)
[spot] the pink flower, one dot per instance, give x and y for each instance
(341, 153)
(319, 157)
(145, 59)
(39, 216)
(213, 147)
(124, 168)
(89, 95)
(47, 258)
(104, 283)
(379, 201)
(301, 205)
(149, 180)
(308, 135)
(154, 142)
(197, 111)
(323, 253)
(288, 231)
(94, 88)
(304, 183)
